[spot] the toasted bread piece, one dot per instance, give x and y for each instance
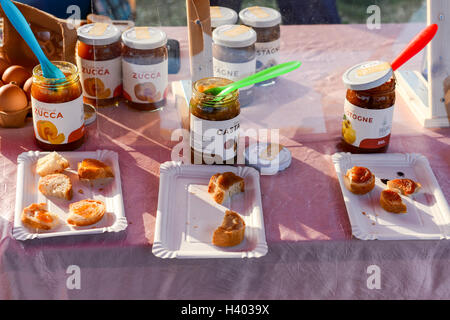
(391, 201)
(231, 232)
(56, 185)
(86, 212)
(359, 180)
(36, 216)
(93, 169)
(51, 163)
(224, 185)
(406, 187)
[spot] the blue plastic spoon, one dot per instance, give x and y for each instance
(16, 18)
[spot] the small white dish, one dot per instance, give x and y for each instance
(187, 215)
(27, 193)
(428, 216)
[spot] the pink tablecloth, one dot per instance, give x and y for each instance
(302, 205)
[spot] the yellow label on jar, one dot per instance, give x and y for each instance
(258, 12)
(98, 29)
(142, 33)
(216, 13)
(373, 69)
(236, 31)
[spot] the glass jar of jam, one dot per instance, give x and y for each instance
(58, 112)
(145, 68)
(99, 60)
(266, 23)
(221, 16)
(234, 56)
(369, 107)
(214, 125)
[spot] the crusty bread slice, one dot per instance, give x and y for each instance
(359, 180)
(231, 232)
(406, 187)
(93, 169)
(86, 212)
(36, 216)
(224, 185)
(56, 185)
(391, 201)
(51, 163)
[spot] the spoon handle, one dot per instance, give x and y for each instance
(21, 25)
(261, 76)
(415, 46)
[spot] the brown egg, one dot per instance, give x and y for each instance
(17, 74)
(27, 87)
(12, 98)
(3, 66)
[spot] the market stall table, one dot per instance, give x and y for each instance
(311, 250)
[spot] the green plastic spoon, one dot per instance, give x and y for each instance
(261, 76)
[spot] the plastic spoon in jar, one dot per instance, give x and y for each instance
(415, 46)
(261, 76)
(16, 18)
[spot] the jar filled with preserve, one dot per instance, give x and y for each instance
(145, 68)
(221, 16)
(369, 107)
(234, 56)
(99, 59)
(58, 112)
(214, 125)
(266, 23)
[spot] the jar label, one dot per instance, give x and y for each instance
(218, 138)
(58, 123)
(234, 71)
(145, 83)
(267, 54)
(101, 79)
(367, 128)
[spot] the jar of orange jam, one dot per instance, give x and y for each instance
(369, 107)
(57, 106)
(145, 68)
(99, 59)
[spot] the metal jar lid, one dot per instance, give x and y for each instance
(254, 157)
(234, 36)
(260, 17)
(221, 16)
(98, 34)
(144, 38)
(367, 75)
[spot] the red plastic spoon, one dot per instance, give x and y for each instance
(415, 46)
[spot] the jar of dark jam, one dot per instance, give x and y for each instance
(369, 107)
(145, 68)
(221, 16)
(57, 106)
(99, 59)
(214, 125)
(234, 56)
(266, 23)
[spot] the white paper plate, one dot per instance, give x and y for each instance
(187, 215)
(27, 193)
(428, 215)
